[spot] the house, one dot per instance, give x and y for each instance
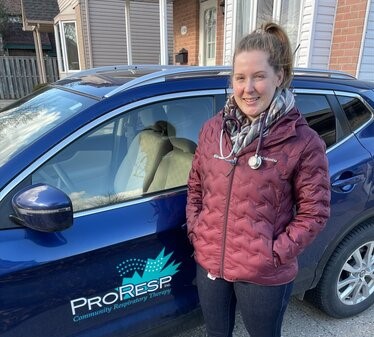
(15, 40)
(93, 33)
(325, 34)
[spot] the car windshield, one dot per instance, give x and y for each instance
(27, 120)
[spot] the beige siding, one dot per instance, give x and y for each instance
(63, 4)
(323, 30)
(302, 56)
(316, 33)
(145, 32)
(108, 32)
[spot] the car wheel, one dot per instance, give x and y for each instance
(346, 287)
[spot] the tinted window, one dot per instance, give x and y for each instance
(355, 110)
(319, 115)
(143, 151)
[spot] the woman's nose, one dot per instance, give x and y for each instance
(249, 86)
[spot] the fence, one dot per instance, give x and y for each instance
(19, 75)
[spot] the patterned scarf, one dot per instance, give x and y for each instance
(281, 104)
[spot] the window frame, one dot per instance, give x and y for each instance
(343, 130)
(62, 52)
(252, 6)
(24, 178)
(203, 40)
(362, 100)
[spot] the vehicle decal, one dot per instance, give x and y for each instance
(142, 280)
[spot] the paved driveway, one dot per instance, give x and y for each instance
(303, 320)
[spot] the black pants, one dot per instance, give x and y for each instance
(262, 307)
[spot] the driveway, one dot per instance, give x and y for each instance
(302, 319)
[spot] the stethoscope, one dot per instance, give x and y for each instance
(254, 161)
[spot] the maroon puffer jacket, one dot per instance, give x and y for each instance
(250, 225)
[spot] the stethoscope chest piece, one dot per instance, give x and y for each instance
(255, 162)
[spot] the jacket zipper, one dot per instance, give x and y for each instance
(231, 174)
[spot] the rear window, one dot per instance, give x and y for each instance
(318, 113)
(356, 111)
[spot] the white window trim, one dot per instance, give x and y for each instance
(203, 7)
(61, 47)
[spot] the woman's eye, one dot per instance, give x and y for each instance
(260, 77)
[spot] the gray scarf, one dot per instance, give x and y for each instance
(281, 104)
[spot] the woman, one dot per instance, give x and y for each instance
(258, 192)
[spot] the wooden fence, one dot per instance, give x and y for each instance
(19, 75)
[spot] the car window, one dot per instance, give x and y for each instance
(30, 118)
(145, 150)
(356, 112)
(319, 115)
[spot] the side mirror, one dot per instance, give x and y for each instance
(43, 208)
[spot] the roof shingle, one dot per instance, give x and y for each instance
(40, 10)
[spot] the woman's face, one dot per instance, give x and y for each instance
(254, 82)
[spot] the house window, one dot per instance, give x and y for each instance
(67, 46)
(208, 32)
(290, 20)
(250, 14)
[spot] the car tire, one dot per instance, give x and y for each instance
(346, 287)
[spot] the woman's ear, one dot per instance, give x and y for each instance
(280, 77)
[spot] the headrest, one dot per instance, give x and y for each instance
(184, 144)
(149, 116)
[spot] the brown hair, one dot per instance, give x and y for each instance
(272, 39)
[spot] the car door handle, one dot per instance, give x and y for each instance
(347, 184)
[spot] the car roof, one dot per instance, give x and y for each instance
(107, 81)
(104, 82)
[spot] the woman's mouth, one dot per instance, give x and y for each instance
(250, 100)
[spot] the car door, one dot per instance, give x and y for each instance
(125, 266)
(350, 172)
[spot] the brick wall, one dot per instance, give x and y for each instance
(186, 13)
(219, 40)
(348, 30)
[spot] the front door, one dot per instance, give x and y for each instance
(208, 32)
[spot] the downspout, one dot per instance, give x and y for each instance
(128, 32)
(39, 55)
(88, 27)
(332, 34)
(163, 33)
(364, 30)
(58, 50)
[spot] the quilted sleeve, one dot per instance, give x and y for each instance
(194, 192)
(312, 197)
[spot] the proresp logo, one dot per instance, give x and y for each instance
(149, 279)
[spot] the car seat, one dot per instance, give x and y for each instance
(136, 171)
(175, 166)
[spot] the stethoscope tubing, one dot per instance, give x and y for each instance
(254, 161)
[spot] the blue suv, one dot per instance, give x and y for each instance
(93, 172)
